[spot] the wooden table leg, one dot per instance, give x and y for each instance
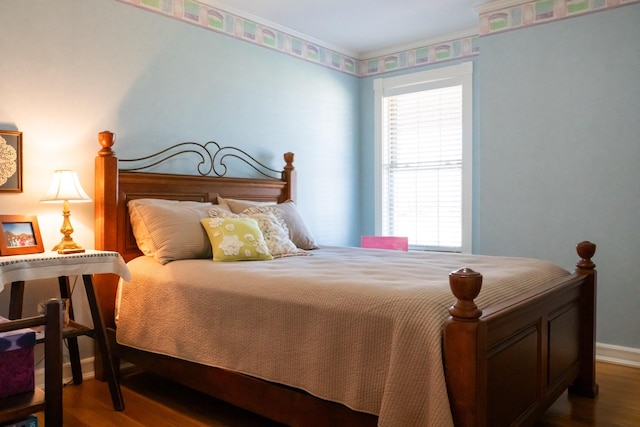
(72, 342)
(15, 300)
(103, 345)
(53, 414)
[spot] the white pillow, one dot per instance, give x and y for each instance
(170, 230)
(298, 230)
(237, 205)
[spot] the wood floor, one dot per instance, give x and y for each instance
(151, 401)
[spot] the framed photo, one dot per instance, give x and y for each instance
(20, 235)
(10, 161)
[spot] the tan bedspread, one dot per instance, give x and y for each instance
(357, 326)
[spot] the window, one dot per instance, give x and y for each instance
(423, 158)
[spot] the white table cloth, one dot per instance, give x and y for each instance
(49, 264)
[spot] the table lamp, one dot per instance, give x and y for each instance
(66, 188)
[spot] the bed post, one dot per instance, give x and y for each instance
(106, 185)
(585, 384)
(289, 175)
(106, 201)
(105, 226)
(464, 349)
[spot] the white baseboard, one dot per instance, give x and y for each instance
(618, 355)
(67, 376)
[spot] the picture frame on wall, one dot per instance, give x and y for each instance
(20, 235)
(10, 161)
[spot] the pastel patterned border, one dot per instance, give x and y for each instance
(431, 54)
(218, 20)
(495, 16)
(214, 19)
(529, 13)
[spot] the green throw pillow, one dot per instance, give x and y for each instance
(236, 239)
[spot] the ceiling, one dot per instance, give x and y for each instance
(361, 27)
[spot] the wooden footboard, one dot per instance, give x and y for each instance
(507, 364)
(504, 365)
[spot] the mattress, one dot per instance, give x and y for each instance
(361, 327)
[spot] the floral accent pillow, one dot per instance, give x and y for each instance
(236, 239)
(299, 233)
(274, 230)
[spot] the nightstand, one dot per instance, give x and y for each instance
(19, 269)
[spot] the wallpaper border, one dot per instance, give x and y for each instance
(238, 27)
(241, 28)
(499, 16)
(494, 17)
(430, 54)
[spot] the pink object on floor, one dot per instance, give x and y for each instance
(385, 242)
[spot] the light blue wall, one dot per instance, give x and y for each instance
(156, 81)
(201, 85)
(556, 152)
(559, 152)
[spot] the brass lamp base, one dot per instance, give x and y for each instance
(70, 251)
(68, 247)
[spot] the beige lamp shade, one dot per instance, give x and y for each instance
(66, 188)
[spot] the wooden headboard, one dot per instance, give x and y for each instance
(114, 187)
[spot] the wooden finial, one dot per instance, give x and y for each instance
(586, 250)
(465, 285)
(288, 159)
(289, 176)
(106, 140)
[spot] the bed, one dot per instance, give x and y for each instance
(344, 336)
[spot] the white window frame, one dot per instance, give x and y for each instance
(461, 74)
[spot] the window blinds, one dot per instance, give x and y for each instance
(422, 135)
